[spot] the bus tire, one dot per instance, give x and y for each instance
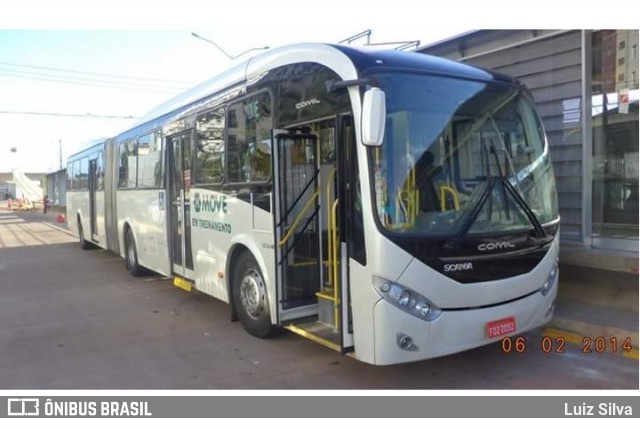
(84, 244)
(250, 297)
(131, 254)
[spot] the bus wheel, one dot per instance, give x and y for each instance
(84, 244)
(133, 266)
(250, 297)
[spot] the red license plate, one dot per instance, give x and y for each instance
(501, 327)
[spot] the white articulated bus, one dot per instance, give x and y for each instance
(386, 204)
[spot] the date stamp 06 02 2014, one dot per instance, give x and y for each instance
(556, 344)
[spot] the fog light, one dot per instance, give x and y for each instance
(405, 342)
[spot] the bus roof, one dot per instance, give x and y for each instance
(87, 148)
(368, 59)
(362, 58)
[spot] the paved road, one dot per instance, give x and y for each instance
(73, 319)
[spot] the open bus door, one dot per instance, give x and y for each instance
(179, 189)
(309, 270)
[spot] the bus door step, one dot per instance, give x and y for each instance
(327, 308)
(183, 283)
(317, 332)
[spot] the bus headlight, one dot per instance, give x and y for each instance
(406, 299)
(551, 279)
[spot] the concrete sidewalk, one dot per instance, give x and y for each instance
(34, 214)
(595, 302)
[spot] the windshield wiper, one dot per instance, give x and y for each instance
(492, 149)
(533, 219)
(454, 242)
(506, 153)
(510, 188)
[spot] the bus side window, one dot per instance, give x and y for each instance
(248, 139)
(122, 165)
(158, 167)
(149, 158)
(99, 173)
(70, 176)
(77, 174)
(210, 153)
(128, 164)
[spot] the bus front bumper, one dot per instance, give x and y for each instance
(400, 337)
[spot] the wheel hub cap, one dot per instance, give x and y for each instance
(252, 294)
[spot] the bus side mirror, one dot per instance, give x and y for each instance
(374, 115)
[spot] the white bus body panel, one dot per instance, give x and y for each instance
(141, 210)
(215, 234)
(384, 259)
(78, 208)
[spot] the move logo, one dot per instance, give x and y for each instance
(210, 203)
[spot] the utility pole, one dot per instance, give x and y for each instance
(60, 152)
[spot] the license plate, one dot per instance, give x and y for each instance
(501, 327)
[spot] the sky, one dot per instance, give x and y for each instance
(73, 71)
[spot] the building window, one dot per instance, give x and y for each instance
(614, 186)
(621, 61)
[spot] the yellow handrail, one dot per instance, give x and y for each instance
(407, 203)
(299, 217)
(329, 234)
(334, 227)
(443, 202)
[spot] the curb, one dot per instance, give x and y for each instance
(588, 330)
(590, 285)
(59, 229)
(610, 260)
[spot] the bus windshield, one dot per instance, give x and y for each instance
(460, 157)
